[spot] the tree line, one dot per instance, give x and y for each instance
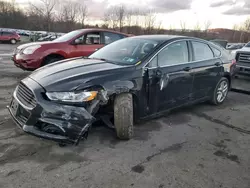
(65, 16)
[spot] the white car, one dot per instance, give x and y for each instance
(242, 57)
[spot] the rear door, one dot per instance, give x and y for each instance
(90, 42)
(170, 83)
(207, 69)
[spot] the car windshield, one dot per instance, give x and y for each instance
(248, 45)
(68, 36)
(127, 51)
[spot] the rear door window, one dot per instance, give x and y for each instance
(174, 54)
(202, 51)
(6, 33)
(111, 37)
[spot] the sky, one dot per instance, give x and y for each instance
(221, 13)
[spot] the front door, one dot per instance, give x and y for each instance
(170, 83)
(89, 43)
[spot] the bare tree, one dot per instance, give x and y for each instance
(120, 14)
(197, 26)
(183, 25)
(46, 10)
(83, 11)
(207, 25)
(110, 18)
(247, 25)
(149, 21)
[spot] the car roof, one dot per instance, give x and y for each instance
(98, 29)
(165, 38)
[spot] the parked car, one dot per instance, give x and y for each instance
(242, 57)
(131, 79)
(235, 46)
(74, 44)
(9, 36)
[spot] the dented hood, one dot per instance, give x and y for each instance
(68, 74)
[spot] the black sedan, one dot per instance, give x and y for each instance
(131, 79)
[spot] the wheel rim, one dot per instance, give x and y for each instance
(13, 41)
(222, 91)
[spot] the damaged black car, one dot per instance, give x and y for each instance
(126, 81)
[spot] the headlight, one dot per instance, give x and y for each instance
(71, 96)
(31, 49)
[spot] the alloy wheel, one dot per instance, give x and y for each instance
(222, 91)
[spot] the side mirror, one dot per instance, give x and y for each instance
(77, 41)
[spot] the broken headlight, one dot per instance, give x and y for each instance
(72, 96)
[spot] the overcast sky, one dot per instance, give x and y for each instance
(221, 13)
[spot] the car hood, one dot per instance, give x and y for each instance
(68, 75)
(33, 43)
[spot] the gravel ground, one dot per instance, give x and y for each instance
(197, 147)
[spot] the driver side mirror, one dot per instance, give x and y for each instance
(77, 41)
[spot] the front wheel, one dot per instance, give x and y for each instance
(13, 41)
(123, 116)
(51, 60)
(220, 91)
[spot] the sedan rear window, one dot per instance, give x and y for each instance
(202, 51)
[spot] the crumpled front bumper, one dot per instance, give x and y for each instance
(50, 120)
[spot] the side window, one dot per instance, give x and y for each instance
(202, 51)
(111, 37)
(153, 62)
(173, 54)
(217, 53)
(93, 38)
(6, 33)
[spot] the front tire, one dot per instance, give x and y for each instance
(51, 60)
(220, 91)
(13, 41)
(123, 116)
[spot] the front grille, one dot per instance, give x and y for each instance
(244, 58)
(22, 118)
(25, 96)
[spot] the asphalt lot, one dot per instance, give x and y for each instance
(198, 147)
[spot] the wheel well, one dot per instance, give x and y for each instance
(109, 107)
(229, 79)
(52, 56)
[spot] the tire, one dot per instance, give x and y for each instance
(13, 41)
(124, 116)
(51, 60)
(221, 89)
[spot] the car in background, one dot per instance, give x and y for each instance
(77, 43)
(9, 36)
(128, 80)
(242, 57)
(235, 46)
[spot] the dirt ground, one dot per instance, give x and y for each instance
(197, 147)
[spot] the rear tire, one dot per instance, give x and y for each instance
(123, 116)
(220, 91)
(13, 41)
(50, 60)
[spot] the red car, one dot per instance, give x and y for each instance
(73, 44)
(12, 37)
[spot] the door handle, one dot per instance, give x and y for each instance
(218, 64)
(187, 69)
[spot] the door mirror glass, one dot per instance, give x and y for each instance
(78, 41)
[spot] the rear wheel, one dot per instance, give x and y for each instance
(13, 41)
(220, 91)
(123, 116)
(50, 60)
